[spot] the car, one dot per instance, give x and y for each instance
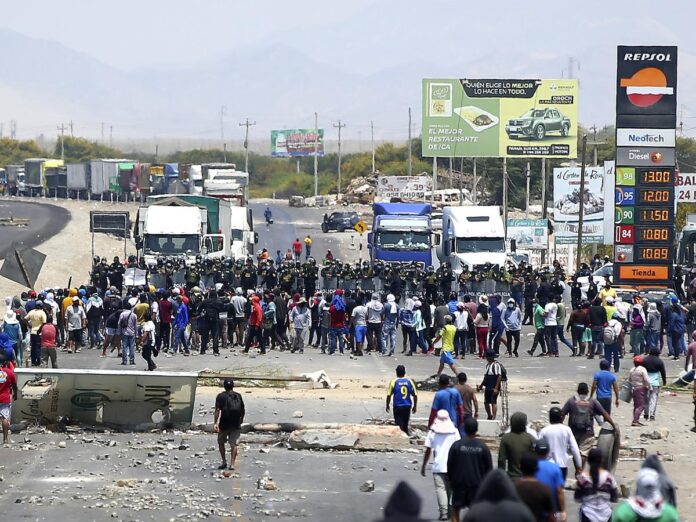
(537, 123)
(339, 221)
(599, 276)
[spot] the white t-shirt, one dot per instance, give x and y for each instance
(551, 310)
(359, 315)
(561, 442)
(460, 319)
(440, 443)
(149, 326)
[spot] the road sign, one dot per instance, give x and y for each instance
(22, 265)
(360, 227)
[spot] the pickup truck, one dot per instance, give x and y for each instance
(537, 123)
(339, 221)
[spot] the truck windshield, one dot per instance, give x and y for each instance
(407, 240)
(171, 245)
(236, 234)
(480, 244)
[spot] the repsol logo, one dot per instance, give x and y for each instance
(644, 57)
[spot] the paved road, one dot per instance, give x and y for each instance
(46, 221)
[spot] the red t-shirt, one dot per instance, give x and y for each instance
(48, 336)
(7, 382)
(297, 246)
(338, 317)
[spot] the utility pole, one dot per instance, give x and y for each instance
(223, 111)
(156, 151)
(528, 176)
(62, 147)
(111, 135)
(246, 124)
(72, 134)
(410, 163)
(594, 143)
(474, 185)
(316, 154)
(461, 182)
(339, 126)
(681, 120)
(372, 142)
(581, 210)
(13, 129)
(432, 192)
(451, 172)
(505, 193)
(102, 132)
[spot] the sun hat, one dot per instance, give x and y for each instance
(10, 317)
(442, 423)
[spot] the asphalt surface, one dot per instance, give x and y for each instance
(46, 220)
(43, 481)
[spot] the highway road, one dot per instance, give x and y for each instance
(46, 220)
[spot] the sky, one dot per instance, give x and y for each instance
(388, 44)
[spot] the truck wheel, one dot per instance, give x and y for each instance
(565, 130)
(539, 132)
(324, 228)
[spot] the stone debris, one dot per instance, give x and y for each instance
(266, 482)
(367, 486)
(297, 414)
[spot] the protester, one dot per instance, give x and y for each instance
(549, 473)
(535, 495)
(128, 326)
(612, 338)
(604, 382)
(447, 398)
(491, 384)
(8, 392)
(512, 318)
(468, 462)
(48, 334)
(498, 501)
(147, 341)
(648, 502)
(447, 334)
(229, 416)
(76, 321)
(640, 386)
(405, 398)
(595, 491)
(35, 319)
(441, 435)
(657, 375)
(515, 444)
(667, 487)
(581, 410)
(468, 395)
(561, 442)
(301, 319)
(375, 338)
(481, 322)
(539, 323)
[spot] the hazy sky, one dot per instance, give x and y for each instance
(387, 44)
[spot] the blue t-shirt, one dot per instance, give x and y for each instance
(403, 391)
(604, 379)
(549, 473)
(448, 399)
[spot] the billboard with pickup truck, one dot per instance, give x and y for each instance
(500, 118)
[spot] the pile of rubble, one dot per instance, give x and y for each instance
(360, 190)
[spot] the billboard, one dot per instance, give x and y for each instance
(530, 234)
(686, 187)
(297, 143)
(404, 187)
(566, 205)
(500, 118)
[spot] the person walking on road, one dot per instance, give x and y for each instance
(128, 326)
(581, 411)
(181, 320)
(402, 392)
(657, 375)
(604, 383)
(447, 334)
(438, 441)
(539, 339)
(308, 246)
(514, 445)
(229, 416)
(640, 385)
(468, 462)
(491, 384)
(147, 341)
(561, 442)
(535, 495)
(596, 491)
(447, 398)
(297, 248)
(512, 318)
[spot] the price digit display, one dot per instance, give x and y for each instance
(659, 196)
(650, 215)
(652, 253)
(654, 234)
(656, 176)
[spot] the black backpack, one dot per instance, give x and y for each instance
(231, 411)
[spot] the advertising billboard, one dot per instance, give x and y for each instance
(566, 205)
(646, 106)
(297, 143)
(530, 234)
(500, 118)
(404, 187)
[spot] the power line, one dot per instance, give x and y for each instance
(246, 124)
(62, 129)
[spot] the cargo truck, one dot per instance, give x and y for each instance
(401, 233)
(35, 175)
(472, 236)
(15, 180)
(183, 226)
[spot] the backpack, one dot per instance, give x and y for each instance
(609, 335)
(124, 320)
(406, 317)
(231, 411)
(268, 317)
(581, 420)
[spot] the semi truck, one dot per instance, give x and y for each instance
(15, 180)
(401, 233)
(183, 226)
(35, 174)
(472, 236)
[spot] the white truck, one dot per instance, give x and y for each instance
(225, 181)
(172, 227)
(472, 236)
(242, 235)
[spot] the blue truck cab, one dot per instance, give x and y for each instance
(401, 233)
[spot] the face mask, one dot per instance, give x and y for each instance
(510, 305)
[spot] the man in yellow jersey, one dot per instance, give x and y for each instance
(447, 334)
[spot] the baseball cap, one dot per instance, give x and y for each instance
(75, 299)
(542, 446)
(228, 384)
